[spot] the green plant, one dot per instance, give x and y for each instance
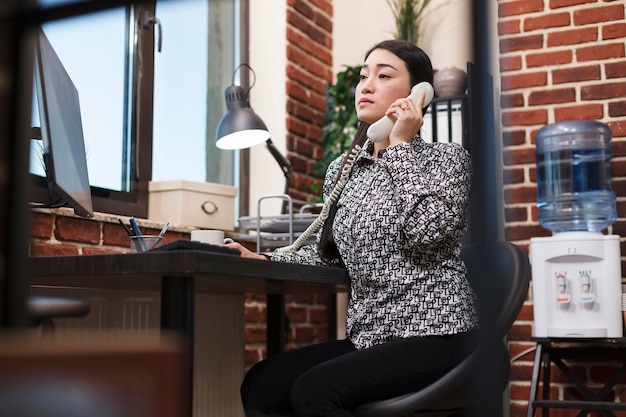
(408, 15)
(340, 120)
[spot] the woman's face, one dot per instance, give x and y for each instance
(384, 78)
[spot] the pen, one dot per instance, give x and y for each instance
(125, 227)
(135, 226)
(162, 232)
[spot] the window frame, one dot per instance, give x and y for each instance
(244, 154)
(135, 201)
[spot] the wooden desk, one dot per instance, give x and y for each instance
(178, 275)
(554, 351)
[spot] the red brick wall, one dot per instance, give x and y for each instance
(309, 69)
(559, 60)
(59, 232)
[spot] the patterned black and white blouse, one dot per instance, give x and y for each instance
(398, 224)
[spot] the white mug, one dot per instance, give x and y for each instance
(214, 237)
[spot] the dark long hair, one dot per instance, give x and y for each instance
(420, 69)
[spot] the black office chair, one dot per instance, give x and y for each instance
(43, 310)
(500, 274)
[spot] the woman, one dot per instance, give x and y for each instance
(396, 228)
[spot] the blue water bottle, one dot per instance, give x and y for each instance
(574, 176)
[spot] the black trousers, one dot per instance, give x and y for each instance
(333, 378)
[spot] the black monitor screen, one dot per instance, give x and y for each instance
(61, 130)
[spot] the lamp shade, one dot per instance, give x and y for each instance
(240, 127)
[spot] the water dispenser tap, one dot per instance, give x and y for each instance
(586, 289)
(562, 293)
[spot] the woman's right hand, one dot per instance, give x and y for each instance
(245, 252)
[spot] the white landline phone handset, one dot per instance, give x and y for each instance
(381, 129)
(377, 132)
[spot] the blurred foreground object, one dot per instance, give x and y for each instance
(104, 374)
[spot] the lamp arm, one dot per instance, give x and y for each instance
(285, 165)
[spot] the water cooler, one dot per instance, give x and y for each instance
(576, 272)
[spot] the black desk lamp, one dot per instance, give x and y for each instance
(241, 128)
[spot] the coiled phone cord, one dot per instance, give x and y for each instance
(334, 196)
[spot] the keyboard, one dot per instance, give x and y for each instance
(185, 244)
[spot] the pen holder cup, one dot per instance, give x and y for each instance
(143, 243)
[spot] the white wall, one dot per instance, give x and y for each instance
(447, 33)
(268, 97)
(359, 24)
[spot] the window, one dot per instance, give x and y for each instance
(95, 60)
(111, 57)
(191, 73)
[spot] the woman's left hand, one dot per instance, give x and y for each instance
(245, 252)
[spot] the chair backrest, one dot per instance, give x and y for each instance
(499, 272)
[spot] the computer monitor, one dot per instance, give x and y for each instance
(61, 131)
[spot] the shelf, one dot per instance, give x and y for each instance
(274, 231)
(277, 224)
